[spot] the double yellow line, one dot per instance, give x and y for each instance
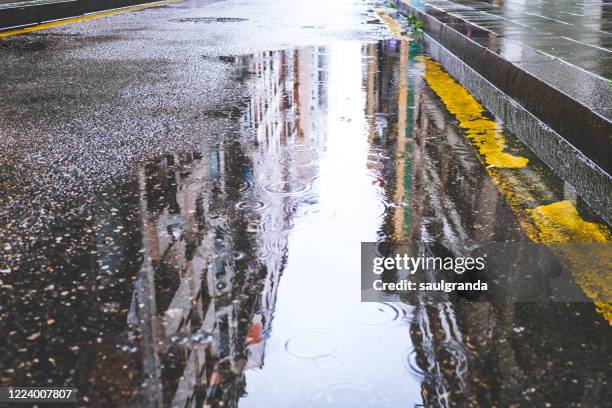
(85, 17)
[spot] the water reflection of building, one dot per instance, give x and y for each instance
(471, 354)
(215, 228)
(386, 87)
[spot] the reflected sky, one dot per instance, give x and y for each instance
(344, 353)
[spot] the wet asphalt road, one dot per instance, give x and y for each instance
(141, 83)
(167, 177)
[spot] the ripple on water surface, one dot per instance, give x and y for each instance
(376, 314)
(298, 162)
(346, 395)
(302, 148)
(310, 346)
(287, 187)
(309, 206)
(246, 185)
(412, 365)
(328, 363)
(253, 205)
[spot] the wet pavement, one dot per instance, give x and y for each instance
(577, 32)
(185, 191)
(497, 40)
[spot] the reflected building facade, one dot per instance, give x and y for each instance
(215, 229)
(470, 354)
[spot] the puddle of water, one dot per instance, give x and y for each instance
(339, 147)
(310, 346)
(318, 293)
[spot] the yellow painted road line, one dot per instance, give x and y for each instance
(482, 132)
(85, 17)
(544, 222)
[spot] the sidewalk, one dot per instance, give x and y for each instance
(577, 32)
(553, 58)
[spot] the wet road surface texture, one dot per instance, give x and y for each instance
(185, 190)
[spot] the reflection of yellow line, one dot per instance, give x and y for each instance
(394, 26)
(86, 17)
(397, 31)
(400, 153)
(371, 92)
(550, 223)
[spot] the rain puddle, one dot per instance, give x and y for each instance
(282, 195)
(338, 146)
(243, 286)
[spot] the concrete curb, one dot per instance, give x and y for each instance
(576, 141)
(32, 14)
